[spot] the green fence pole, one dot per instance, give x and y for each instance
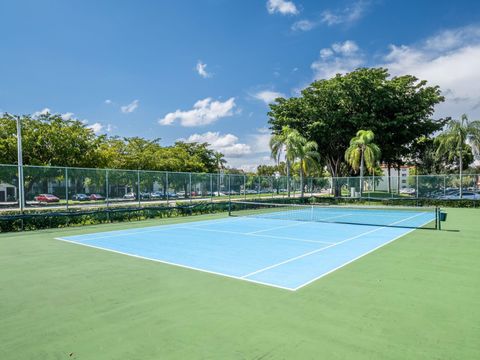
(66, 186)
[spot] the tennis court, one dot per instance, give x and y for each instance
(285, 246)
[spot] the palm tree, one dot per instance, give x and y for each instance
(220, 163)
(362, 152)
(308, 157)
(452, 140)
(287, 142)
(219, 160)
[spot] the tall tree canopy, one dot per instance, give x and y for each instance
(330, 112)
(51, 140)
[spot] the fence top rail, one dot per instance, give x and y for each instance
(162, 172)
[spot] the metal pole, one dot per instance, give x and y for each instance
(258, 187)
(107, 188)
(211, 188)
(444, 185)
(138, 188)
(166, 185)
(66, 185)
(229, 188)
(244, 187)
(416, 191)
(21, 189)
(190, 189)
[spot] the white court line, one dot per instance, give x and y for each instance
(326, 247)
(262, 235)
(358, 257)
(175, 264)
(274, 228)
(156, 228)
(301, 222)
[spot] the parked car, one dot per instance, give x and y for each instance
(467, 195)
(156, 195)
(96, 197)
(172, 195)
(46, 198)
(80, 197)
(130, 196)
(407, 191)
(145, 195)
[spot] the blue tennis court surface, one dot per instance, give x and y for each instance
(287, 254)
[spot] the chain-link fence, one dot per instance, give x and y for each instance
(78, 187)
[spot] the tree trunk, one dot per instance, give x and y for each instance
(333, 167)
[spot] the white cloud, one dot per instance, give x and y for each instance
(337, 59)
(204, 112)
(303, 25)
(243, 155)
(108, 101)
(44, 111)
(97, 127)
(260, 142)
(347, 15)
(130, 107)
(227, 144)
(448, 59)
(67, 116)
(267, 96)
(201, 70)
(282, 6)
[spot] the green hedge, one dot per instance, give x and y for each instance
(14, 221)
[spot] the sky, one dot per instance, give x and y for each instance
(206, 70)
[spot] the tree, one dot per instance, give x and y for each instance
(452, 141)
(308, 156)
(331, 111)
(219, 161)
(50, 140)
(290, 142)
(362, 152)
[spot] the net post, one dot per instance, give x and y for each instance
(439, 219)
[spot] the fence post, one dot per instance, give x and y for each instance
(107, 198)
(244, 186)
(416, 190)
(66, 186)
(258, 187)
(166, 186)
(229, 188)
(211, 188)
(444, 185)
(138, 188)
(190, 186)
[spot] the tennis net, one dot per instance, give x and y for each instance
(385, 216)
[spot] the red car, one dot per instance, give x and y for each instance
(96, 197)
(46, 198)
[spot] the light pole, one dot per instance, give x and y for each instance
(21, 190)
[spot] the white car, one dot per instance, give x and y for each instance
(129, 196)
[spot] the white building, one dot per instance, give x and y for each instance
(395, 175)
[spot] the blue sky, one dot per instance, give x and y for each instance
(206, 70)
